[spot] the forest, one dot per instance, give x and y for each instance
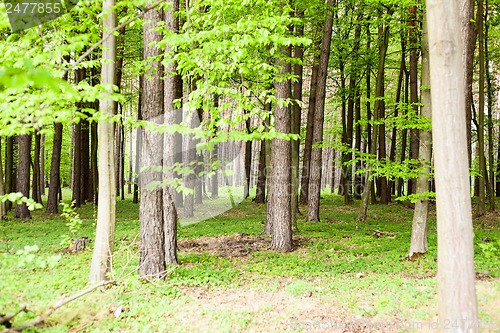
(250, 166)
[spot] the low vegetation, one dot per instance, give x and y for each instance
(340, 274)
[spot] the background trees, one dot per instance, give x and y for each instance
(238, 68)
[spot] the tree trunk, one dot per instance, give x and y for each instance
(384, 42)
(105, 230)
(55, 170)
(138, 144)
(489, 89)
(419, 227)
(316, 152)
(480, 112)
(306, 161)
(152, 257)
(413, 48)
(469, 43)
(279, 196)
(169, 146)
(260, 194)
(385, 195)
(298, 71)
(35, 193)
(23, 174)
(10, 183)
(3, 207)
(454, 213)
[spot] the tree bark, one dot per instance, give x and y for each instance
(152, 257)
(418, 242)
(306, 160)
(454, 213)
(23, 174)
(413, 48)
(316, 152)
(35, 193)
(106, 210)
(55, 170)
(169, 146)
(480, 113)
(279, 196)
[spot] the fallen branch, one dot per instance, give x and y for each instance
(5, 320)
(60, 303)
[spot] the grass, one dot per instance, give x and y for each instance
(340, 268)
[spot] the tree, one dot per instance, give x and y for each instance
(319, 113)
(105, 230)
(170, 148)
(454, 213)
(279, 195)
(152, 253)
(23, 174)
(418, 243)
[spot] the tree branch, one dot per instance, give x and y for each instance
(60, 303)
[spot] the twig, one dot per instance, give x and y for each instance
(63, 301)
(96, 45)
(7, 318)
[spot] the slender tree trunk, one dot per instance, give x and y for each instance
(41, 179)
(77, 164)
(385, 194)
(248, 159)
(105, 230)
(419, 227)
(9, 169)
(469, 43)
(35, 192)
(138, 144)
(260, 194)
(480, 113)
(376, 113)
(55, 170)
(454, 213)
(93, 161)
(316, 152)
(23, 174)
(413, 48)
(306, 161)
(489, 89)
(152, 257)
(169, 146)
(298, 71)
(3, 207)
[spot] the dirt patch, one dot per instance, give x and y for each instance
(489, 220)
(233, 246)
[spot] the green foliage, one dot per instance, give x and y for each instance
(74, 223)
(18, 198)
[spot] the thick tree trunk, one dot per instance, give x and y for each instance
(278, 204)
(454, 214)
(105, 230)
(418, 242)
(316, 153)
(152, 257)
(23, 174)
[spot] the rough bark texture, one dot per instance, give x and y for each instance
(278, 204)
(23, 174)
(105, 230)
(152, 257)
(316, 153)
(418, 242)
(456, 275)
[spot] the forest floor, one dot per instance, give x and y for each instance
(342, 276)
